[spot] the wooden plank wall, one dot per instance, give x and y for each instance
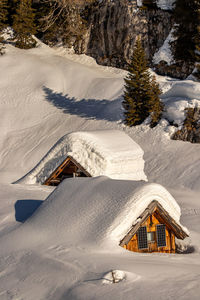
(151, 223)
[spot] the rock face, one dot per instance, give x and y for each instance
(114, 26)
(179, 69)
(190, 130)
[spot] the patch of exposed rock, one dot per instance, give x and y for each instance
(191, 128)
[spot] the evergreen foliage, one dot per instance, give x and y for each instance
(3, 14)
(156, 107)
(186, 31)
(191, 121)
(24, 26)
(141, 95)
(63, 21)
(3, 23)
(197, 52)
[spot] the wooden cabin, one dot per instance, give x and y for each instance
(67, 169)
(110, 214)
(154, 232)
(110, 153)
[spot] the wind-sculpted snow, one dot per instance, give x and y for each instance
(181, 95)
(49, 255)
(96, 211)
(104, 152)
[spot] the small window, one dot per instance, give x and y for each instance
(142, 238)
(151, 237)
(161, 235)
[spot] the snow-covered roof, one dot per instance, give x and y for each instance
(104, 152)
(98, 211)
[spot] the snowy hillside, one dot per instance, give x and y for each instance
(45, 94)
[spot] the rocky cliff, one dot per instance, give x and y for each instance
(113, 27)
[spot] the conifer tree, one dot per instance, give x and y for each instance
(23, 25)
(3, 22)
(63, 21)
(3, 14)
(141, 95)
(156, 107)
(197, 42)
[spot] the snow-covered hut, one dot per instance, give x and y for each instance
(89, 154)
(105, 213)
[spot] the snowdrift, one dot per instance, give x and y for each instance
(104, 152)
(95, 212)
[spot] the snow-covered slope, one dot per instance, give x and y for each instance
(44, 95)
(40, 102)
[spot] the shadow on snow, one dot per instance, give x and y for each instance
(109, 110)
(25, 208)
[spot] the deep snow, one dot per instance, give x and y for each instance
(94, 212)
(110, 153)
(45, 94)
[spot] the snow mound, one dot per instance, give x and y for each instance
(105, 152)
(181, 95)
(184, 88)
(114, 276)
(96, 212)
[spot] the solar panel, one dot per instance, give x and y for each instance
(142, 238)
(161, 235)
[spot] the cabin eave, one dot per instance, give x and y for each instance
(56, 173)
(155, 208)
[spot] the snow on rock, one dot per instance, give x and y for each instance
(164, 53)
(184, 88)
(139, 3)
(181, 95)
(96, 212)
(114, 276)
(162, 4)
(104, 152)
(165, 4)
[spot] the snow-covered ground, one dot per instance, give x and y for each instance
(45, 94)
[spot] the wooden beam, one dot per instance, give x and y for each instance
(62, 166)
(156, 208)
(57, 171)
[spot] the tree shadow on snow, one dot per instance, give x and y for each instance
(109, 110)
(25, 208)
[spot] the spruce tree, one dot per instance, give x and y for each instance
(155, 105)
(3, 14)
(3, 23)
(197, 42)
(141, 95)
(24, 26)
(62, 21)
(137, 82)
